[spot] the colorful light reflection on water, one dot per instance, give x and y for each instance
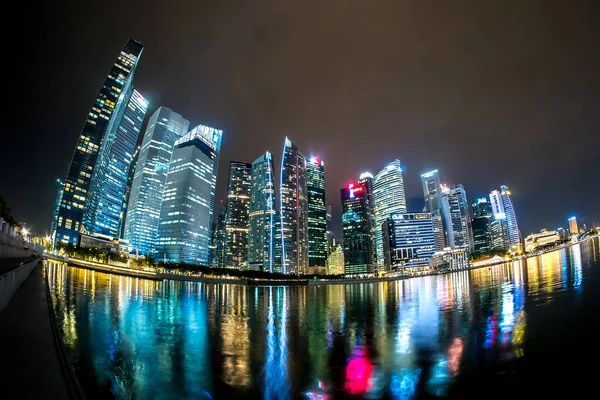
(133, 338)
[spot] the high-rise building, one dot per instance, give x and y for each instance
(261, 217)
(388, 198)
(357, 241)
(335, 261)
(238, 208)
(105, 117)
(317, 213)
(499, 233)
(184, 230)
(410, 242)
(433, 204)
(293, 210)
(104, 208)
(165, 126)
(482, 218)
(127, 194)
(366, 180)
(330, 246)
(431, 190)
(217, 241)
(455, 211)
(514, 235)
(573, 228)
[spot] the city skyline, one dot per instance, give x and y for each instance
(451, 104)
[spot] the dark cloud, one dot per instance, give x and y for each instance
(489, 93)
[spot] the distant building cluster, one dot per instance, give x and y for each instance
(159, 200)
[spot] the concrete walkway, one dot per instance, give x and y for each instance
(32, 358)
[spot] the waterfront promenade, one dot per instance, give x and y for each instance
(34, 362)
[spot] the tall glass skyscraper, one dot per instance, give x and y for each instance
(293, 210)
(366, 180)
(388, 198)
(455, 211)
(218, 240)
(104, 209)
(184, 230)
(237, 217)
(317, 213)
(358, 240)
(410, 241)
(102, 117)
(482, 218)
(433, 204)
(514, 235)
(261, 217)
(164, 128)
(329, 230)
(503, 209)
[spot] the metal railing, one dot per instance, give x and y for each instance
(11, 281)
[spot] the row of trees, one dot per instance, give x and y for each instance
(90, 253)
(5, 212)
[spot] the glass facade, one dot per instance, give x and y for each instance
(104, 209)
(237, 217)
(431, 190)
(358, 239)
(164, 128)
(482, 217)
(217, 241)
(388, 198)
(411, 242)
(293, 210)
(100, 118)
(317, 213)
(329, 230)
(514, 235)
(499, 234)
(455, 211)
(261, 217)
(184, 230)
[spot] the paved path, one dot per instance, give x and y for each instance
(31, 363)
(8, 264)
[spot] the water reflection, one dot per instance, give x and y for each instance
(134, 338)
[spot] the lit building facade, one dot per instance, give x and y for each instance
(238, 210)
(104, 117)
(330, 246)
(388, 198)
(499, 233)
(433, 204)
(317, 213)
(261, 216)
(104, 209)
(366, 180)
(410, 241)
(184, 230)
(573, 227)
(335, 262)
(514, 235)
(217, 241)
(293, 211)
(482, 218)
(455, 212)
(542, 239)
(143, 212)
(357, 241)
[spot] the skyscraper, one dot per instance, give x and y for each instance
(317, 213)
(335, 262)
(573, 228)
(431, 190)
(433, 204)
(218, 237)
(455, 211)
(329, 230)
(104, 116)
(293, 210)
(502, 208)
(357, 241)
(499, 233)
(482, 218)
(410, 241)
(388, 198)
(261, 226)
(164, 128)
(104, 208)
(514, 235)
(237, 218)
(184, 230)
(366, 180)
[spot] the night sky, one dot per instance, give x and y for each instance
(488, 92)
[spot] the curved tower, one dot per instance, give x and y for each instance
(514, 236)
(388, 198)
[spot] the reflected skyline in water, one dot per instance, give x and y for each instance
(134, 338)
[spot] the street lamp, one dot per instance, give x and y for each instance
(25, 233)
